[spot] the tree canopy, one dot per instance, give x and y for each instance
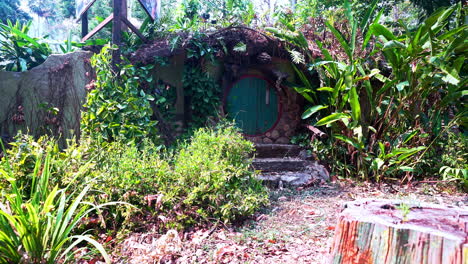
(9, 9)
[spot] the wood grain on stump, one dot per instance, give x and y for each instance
(392, 232)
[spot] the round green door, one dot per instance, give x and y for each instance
(253, 104)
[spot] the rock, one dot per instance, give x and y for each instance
(287, 179)
(282, 140)
(275, 134)
(318, 171)
(267, 140)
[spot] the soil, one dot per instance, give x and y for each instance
(297, 227)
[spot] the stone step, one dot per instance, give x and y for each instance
(276, 150)
(279, 164)
(286, 179)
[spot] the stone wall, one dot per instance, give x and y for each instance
(29, 100)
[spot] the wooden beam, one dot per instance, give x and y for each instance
(98, 27)
(117, 31)
(84, 24)
(79, 16)
(134, 29)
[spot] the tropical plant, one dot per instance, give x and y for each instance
(38, 225)
(18, 51)
(117, 107)
(379, 111)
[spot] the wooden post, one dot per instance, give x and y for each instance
(393, 232)
(117, 31)
(124, 15)
(84, 24)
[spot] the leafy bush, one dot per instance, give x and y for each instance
(23, 155)
(208, 178)
(212, 178)
(37, 225)
(116, 107)
(18, 51)
(383, 114)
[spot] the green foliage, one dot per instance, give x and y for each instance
(378, 113)
(9, 10)
(453, 156)
(204, 95)
(212, 178)
(202, 90)
(116, 107)
(18, 51)
(23, 155)
(38, 225)
(205, 179)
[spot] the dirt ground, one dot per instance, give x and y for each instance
(297, 227)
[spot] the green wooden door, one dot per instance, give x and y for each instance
(253, 103)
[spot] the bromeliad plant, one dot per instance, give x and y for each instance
(38, 226)
(18, 51)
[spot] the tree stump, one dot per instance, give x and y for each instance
(394, 232)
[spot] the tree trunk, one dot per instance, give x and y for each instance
(392, 232)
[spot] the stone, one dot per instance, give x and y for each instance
(318, 171)
(286, 179)
(282, 140)
(275, 134)
(267, 140)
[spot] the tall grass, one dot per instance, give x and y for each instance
(37, 226)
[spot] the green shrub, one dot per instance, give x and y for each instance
(117, 108)
(129, 173)
(212, 178)
(38, 225)
(205, 179)
(23, 155)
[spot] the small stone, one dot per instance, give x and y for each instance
(282, 140)
(275, 134)
(267, 141)
(282, 199)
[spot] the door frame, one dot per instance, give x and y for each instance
(279, 101)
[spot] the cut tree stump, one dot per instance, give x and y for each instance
(395, 232)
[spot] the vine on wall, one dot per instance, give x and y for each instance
(201, 89)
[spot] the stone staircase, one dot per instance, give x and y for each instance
(285, 165)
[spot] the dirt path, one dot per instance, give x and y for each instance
(296, 228)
